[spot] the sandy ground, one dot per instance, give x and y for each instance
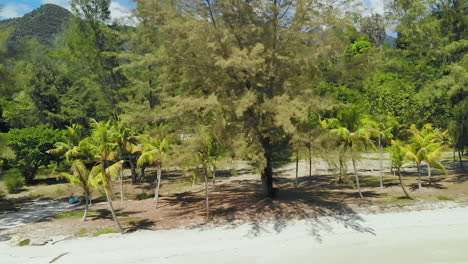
(431, 236)
(33, 212)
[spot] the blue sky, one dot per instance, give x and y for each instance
(119, 8)
(16, 8)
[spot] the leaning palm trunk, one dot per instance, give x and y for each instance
(310, 160)
(429, 173)
(206, 193)
(381, 164)
(403, 186)
(297, 167)
(419, 176)
(109, 199)
(121, 186)
(111, 208)
(156, 193)
(87, 202)
(340, 180)
(357, 179)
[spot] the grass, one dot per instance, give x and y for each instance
(72, 214)
(444, 198)
(24, 242)
(82, 232)
(104, 231)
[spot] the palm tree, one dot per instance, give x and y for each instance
(81, 177)
(69, 147)
(398, 159)
(382, 129)
(127, 145)
(425, 146)
(153, 153)
(105, 150)
(351, 134)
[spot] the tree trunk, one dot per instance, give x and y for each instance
(267, 174)
(109, 200)
(403, 186)
(460, 154)
(267, 179)
(142, 174)
(429, 173)
(357, 179)
(310, 160)
(111, 208)
(134, 173)
(381, 164)
(156, 193)
(121, 186)
(86, 206)
(206, 193)
(340, 179)
(214, 175)
(419, 176)
(297, 167)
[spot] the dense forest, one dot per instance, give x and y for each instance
(196, 82)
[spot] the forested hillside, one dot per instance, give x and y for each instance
(43, 24)
(264, 81)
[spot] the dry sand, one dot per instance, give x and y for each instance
(430, 236)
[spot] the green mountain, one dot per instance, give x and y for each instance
(43, 24)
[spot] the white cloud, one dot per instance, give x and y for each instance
(377, 6)
(13, 10)
(122, 14)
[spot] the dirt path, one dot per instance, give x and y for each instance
(432, 236)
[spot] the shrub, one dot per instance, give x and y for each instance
(30, 146)
(2, 193)
(13, 180)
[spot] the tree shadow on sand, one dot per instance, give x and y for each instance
(238, 204)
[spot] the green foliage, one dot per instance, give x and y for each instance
(13, 180)
(24, 242)
(398, 152)
(30, 146)
(358, 47)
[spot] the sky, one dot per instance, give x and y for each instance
(120, 9)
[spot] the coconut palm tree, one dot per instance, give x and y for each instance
(69, 147)
(153, 153)
(425, 146)
(381, 128)
(105, 151)
(128, 149)
(398, 159)
(207, 149)
(351, 134)
(81, 177)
